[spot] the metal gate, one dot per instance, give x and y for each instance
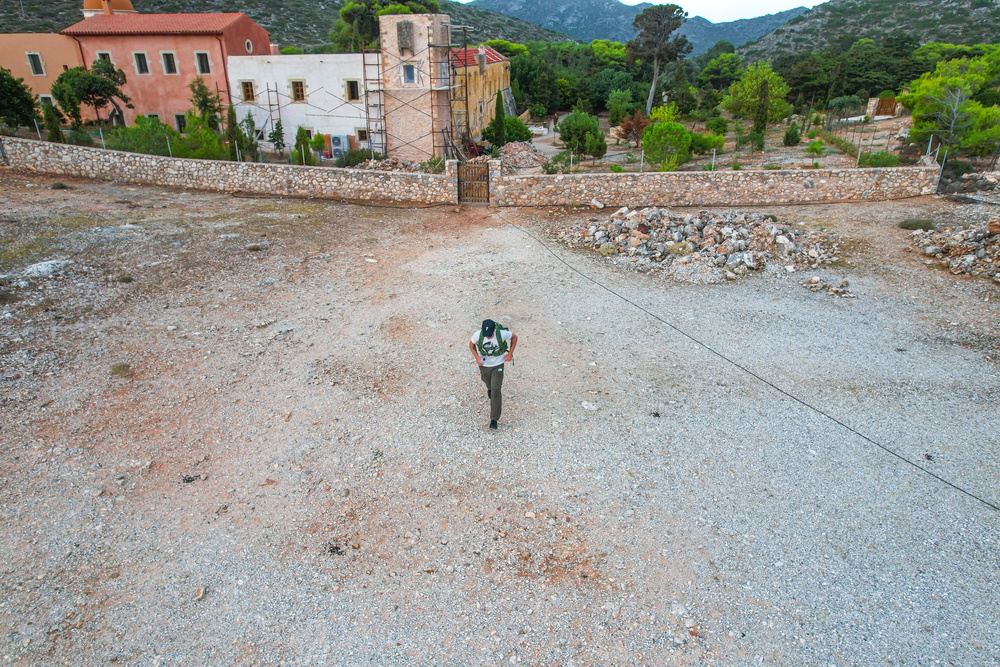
(474, 183)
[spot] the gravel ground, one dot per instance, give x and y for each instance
(249, 431)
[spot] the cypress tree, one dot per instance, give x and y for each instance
(499, 123)
(763, 108)
(51, 119)
(232, 133)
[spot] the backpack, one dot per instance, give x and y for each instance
(502, 350)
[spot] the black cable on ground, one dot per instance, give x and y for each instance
(749, 372)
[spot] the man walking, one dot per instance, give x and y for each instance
(492, 345)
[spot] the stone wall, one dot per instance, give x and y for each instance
(249, 177)
(719, 188)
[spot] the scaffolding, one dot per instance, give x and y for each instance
(374, 100)
(435, 72)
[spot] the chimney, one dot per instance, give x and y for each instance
(106, 6)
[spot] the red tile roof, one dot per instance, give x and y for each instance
(154, 24)
(467, 57)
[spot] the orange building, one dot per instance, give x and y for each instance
(161, 54)
(38, 59)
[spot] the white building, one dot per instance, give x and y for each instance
(324, 93)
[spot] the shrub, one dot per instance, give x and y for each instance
(667, 114)
(617, 169)
(815, 165)
(514, 130)
(917, 223)
(435, 165)
(619, 106)
(702, 143)
(815, 148)
(538, 111)
(754, 139)
(665, 141)
(557, 165)
(630, 158)
(574, 128)
(356, 157)
(737, 166)
(793, 137)
(812, 134)
(717, 126)
(878, 159)
(772, 167)
(79, 137)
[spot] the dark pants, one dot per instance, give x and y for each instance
(493, 378)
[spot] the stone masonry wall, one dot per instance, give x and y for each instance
(249, 177)
(729, 188)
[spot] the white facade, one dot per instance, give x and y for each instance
(324, 93)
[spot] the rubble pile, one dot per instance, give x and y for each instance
(706, 247)
(986, 181)
(815, 284)
(974, 251)
(522, 155)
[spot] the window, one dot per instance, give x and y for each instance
(309, 134)
(35, 62)
(298, 91)
(45, 99)
(248, 91)
(249, 46)
(180, 121)
(362, 135)
(204, 64)
(141, 64)
(153, 115)
(104, 55)
(409, 74)
(169, 63)
(353, 91)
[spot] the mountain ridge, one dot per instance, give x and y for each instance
(290, 22)
(841, 22)
(587, 20)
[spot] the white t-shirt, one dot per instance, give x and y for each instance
(491, 345)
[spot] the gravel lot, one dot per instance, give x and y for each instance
(249, 431)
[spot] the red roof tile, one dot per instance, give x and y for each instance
(154, 24)
(467, 57)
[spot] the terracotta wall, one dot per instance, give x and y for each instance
(57, 52)
(157, 92)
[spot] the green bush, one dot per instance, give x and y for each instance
(630, 158)
(559, 164)
(79, 137)
(737, 166)
(617, 169)
(574, 128)
(841, 143)
(717, 126)
(356, 157)
(515, 130)
(772, 167)
(435, 165)
(702, 143)
(755, 140)
(538, 111)
(667, 140)
(878, 159)
(793, 137)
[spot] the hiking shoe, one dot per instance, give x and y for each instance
(489, 393)
(493, 424)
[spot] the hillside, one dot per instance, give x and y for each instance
(844, 21)
(704, 34)
(298, 22)
(587, 20)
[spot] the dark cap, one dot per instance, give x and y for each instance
(489, 327)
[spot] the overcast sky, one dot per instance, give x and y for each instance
(719, 11)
